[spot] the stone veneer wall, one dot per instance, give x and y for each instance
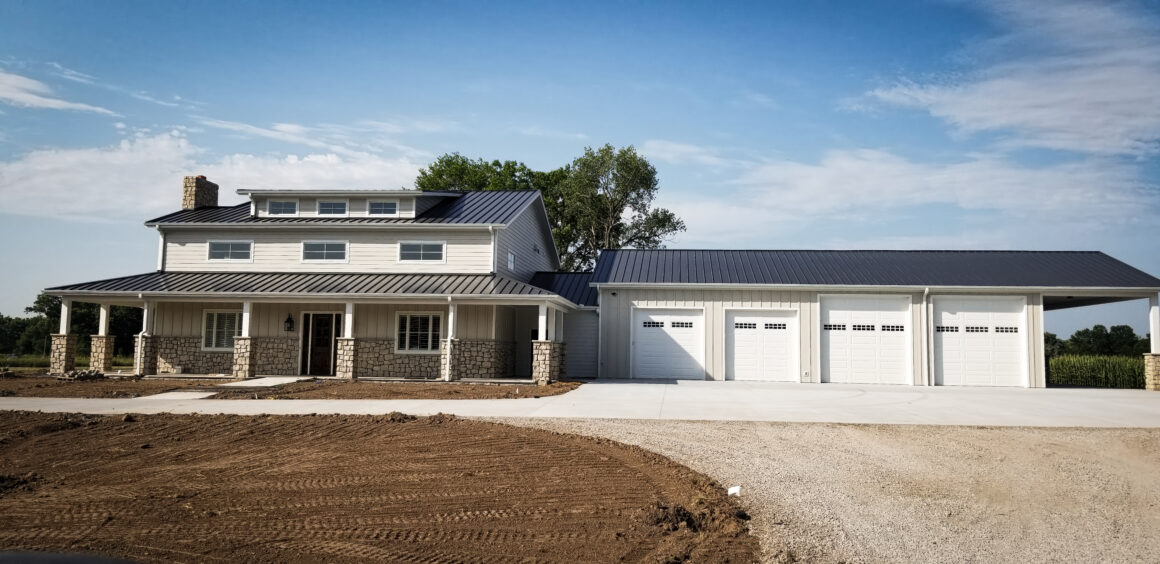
(244, 357)
(376, 358)
(62, 357)
(276, 356)
(345, 358)
(547, 361)
(483, 359)
(186, 352)
(1152, 372)
(145, 354)
(101, 353)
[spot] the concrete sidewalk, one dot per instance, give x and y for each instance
(721, 401)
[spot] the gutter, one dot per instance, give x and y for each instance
(1099, 291)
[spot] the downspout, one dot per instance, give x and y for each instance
(924, 325)
(494, 266)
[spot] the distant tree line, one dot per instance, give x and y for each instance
(1120, 340)
(30, 335)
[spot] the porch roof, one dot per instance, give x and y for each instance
(304, 284)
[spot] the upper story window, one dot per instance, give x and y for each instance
(232, 251)
(383, 208)
(282, 207)
(219, 330)
(332, 251)
(332, 208)
(511, 261)
(421, 251)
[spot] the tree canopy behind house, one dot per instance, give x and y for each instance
(603, 199)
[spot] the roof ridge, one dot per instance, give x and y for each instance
(846, 251)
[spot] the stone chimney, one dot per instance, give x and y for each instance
(197, 192)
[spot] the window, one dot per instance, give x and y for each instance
(834, 327)
(946, 329)
(976, 329)
(282, 207)
(230, 250)
(511, 261)
(220, 329)
(331, 208)
(383, 208)
(1006, 329)
(324, 250)
(683, 324)
(863, 327)
(775, 325)
(744, 325)
(653, 324)
(419, 332)
(420, 252)
(893, 328)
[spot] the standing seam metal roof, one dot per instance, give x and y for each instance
(1065, 269)
(482, 207)
(573, 286)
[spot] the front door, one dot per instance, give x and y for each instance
(319, 346)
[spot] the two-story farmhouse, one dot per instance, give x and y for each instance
(459, 285)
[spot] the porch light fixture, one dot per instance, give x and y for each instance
(288, 325)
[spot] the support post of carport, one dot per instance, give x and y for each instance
(1152, 359)
(345, 363)
(101, 351)
(62, 356)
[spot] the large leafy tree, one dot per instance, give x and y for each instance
(124, 324)
(602, 200)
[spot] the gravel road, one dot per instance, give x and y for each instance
(880, 493)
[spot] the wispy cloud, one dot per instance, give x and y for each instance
(70, 74)
(352, 140)
(21, 91)
(1076, 76)
(681, 153)
(536, 131)
(755, 99)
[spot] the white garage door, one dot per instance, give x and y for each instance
(761, 345)
(866, 339)
(668, 343)
(980, 341)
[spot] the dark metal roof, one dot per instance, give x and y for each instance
(306, 283)
(574, 286)
(483, 207)
(1065, 269)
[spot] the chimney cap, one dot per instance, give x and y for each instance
(201, 176)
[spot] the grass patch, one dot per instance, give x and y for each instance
(1096, 371)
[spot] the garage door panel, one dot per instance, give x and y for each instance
(761, 345)
(668, 344)
(866, 339)
(980, 341)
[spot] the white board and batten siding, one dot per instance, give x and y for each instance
(528, 237)
(367, 251)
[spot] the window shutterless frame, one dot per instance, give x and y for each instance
(229, 251)
(422, 252)
(333, 208)
(413, 329)
(326, 251)
(282, 208)
(216, 323)
(383, 208)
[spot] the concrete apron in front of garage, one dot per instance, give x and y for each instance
(721, 401)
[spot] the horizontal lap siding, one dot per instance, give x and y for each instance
(281, 251)
(377, 321)
(528, 229)
(186, 319)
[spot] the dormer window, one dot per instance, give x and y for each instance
(334, 208)
(383, 208)
(282, 207)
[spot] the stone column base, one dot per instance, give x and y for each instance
(101, 353)
(1152, 372)
(62, 357)
(145, 354)
(345, 358)
(547, 361)
(447, 359)
(244, 365)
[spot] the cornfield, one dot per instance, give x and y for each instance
(1096, 371)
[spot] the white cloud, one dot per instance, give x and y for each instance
(69, 74)
(25, 92)
(147, 98)
(536, 131)
(1077, 76)
(680, 153)
(140, 177)
(349, 140)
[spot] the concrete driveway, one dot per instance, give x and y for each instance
(709, 401)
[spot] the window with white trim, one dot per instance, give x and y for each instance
(331, 208)
(419, 332)
(282, 207)
(421, 251)
(389, 209)
(324, 251)
(511, 261)
(231, 250)
(219, 329)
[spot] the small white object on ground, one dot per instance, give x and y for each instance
(265, 382)
(735, 490)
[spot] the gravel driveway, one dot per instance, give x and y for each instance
(874, 493)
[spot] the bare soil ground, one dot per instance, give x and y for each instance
(50, 387)
(171, 488)
(907, 493)
(329, 389)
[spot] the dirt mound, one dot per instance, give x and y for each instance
(351, 488)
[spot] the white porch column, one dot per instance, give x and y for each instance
(65, 315)
(348, 321)
(451, 321)
(103, 322)
(1154, 322)
(147, 310)
(542, 331)
(551, 325)
(247, 309)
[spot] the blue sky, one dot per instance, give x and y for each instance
(956, 124)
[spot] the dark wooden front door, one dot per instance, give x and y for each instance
(319, 340)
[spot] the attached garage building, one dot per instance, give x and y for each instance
(951, 318)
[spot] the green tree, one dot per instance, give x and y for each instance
(1120, 340)
(1053, 345)
(124, 324)
(457, 172)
